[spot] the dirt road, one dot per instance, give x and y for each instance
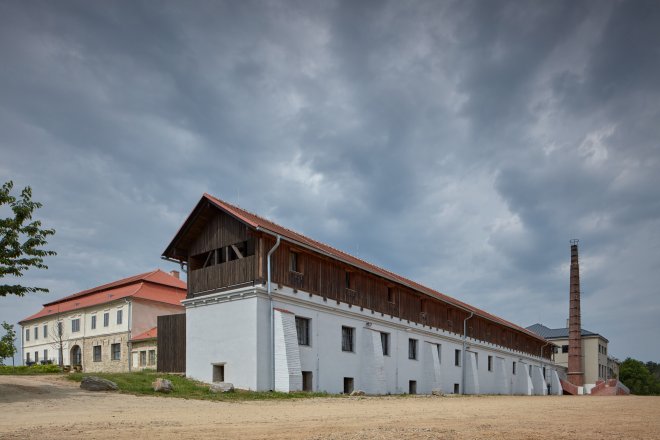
(47, 407)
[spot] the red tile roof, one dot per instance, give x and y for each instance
(154, 286)
(149, 334)
(258, 222)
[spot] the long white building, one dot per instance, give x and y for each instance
(268, 308)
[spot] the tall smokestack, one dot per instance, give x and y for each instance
(575, 373)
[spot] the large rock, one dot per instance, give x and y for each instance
(221, 387)
(437, 392)
(162, 385)
(94, 383)
(357, 393)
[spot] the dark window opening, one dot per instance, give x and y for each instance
(385, 343)
(97, 353)
(490, 363)
(457, 388)
(302, 328)
(219, 373)
(564, 348)
(307, 381)
(116, 352)
(293, 262)
(347, 343)
(514, 368)
(412, 387)
(222, 255)
(348, 385)
(390, 295)
(412, 349)
(457, 358)
(348, 280)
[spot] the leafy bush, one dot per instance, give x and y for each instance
(34, 369)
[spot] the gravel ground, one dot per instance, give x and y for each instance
(49, 407)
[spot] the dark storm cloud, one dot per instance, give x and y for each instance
(458, 143)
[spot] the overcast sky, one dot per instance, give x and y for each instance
(461, 144)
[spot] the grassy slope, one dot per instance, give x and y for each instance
(139, 383)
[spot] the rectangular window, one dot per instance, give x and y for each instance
(412, 348)
(514, 368)
(27, 359)
(75, 325)
(152, 357)
(60, 329)
(293, 262)
(530, 370)
(564, 348)
(93, 322)
(347, 343)
(143, 358)
(27, 334)
(439, 348)
(106, 319)
(115, 349)
(490, 363)
(45, 331)
(302, 328)
(120, 316)
(456, 388)
(457, 358)
(97, 353)
(36, 333)
(348, 280)
(36, 357)
(385, 343)
(390, 295)
(412, 387)
(307, 380)
(46, 355)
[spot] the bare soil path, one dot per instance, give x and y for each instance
(49, 407)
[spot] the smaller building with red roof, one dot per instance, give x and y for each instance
(111, 327)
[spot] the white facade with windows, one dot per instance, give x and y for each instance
(320, 345)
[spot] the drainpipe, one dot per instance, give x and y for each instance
(130, 344)
(464, 348)
(272, 318)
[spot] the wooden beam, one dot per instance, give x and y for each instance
(240, 255)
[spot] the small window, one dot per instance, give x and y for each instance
(115, 349)
(36, 357)
(75, 325)
(60, 329)
(530, 370)
(93, 322)
(457, 358)
(439, 348)
(412, 387)
(293, 262)
(106, 319)
(390, 295)
(218, 373)
(490, 363)
(46, 354)
(36, 333)
(97, 353)
(27, 334)
(152, 357)
(544, 372)
(412, 348)
(457, 388)
(476, 359)
(143, 358)
(348, 385)
(307, 381)
(45, 331)
(348, 280)
(27, 358)
(514, 368)
(302, 328)
(385, 343)
(347, 338)
(564, 348)
(120, 316)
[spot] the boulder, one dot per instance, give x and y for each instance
(357, 393)
(162, 385)
(94, 383)
(221, 387)
(437, 392)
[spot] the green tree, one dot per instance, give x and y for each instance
(636, 376)
(21, 239)
(7, 343)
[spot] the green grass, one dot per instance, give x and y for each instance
(139, 383)
(28, 371)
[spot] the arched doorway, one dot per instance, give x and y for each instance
(76, 356)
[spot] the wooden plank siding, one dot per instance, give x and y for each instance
(171, 344)
(320, 275)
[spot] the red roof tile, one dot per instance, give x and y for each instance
(149, 334)
(258, 222)
(154, 286)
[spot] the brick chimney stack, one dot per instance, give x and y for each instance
(175, 273)
(575, 372)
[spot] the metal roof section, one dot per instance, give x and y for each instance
(557, 333)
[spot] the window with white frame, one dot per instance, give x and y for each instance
(75, 325)
(46, 354)
(36, 333)
(45, 331)
(115, 350)
(96, 350)
(302, 328)
(152, 357)
(120, 316)
(93, 322)
(347, 338)
(27, 334)
(106, 319)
